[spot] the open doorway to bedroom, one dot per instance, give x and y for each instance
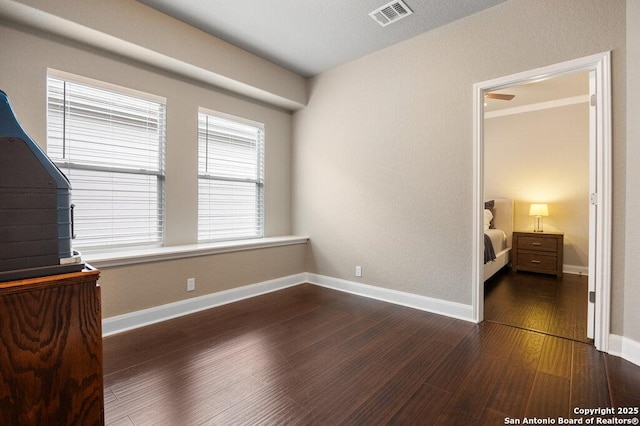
(541, 256)
(536, 155)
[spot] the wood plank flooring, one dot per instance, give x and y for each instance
(309, 355)
(538, 302)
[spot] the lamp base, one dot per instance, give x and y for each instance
(538, 224)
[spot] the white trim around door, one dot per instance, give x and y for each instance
(600, 236)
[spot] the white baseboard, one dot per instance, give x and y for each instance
(130, 321)
(575, 269)
(618, 345)
(423, 303)
(120, 323)
(625, 348)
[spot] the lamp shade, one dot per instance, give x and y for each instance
(538, 210)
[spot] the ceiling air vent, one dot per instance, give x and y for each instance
(391, 12)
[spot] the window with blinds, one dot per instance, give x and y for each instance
(110, 143)
(230, 177)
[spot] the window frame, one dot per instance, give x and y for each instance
(111, 242)
(258, 180)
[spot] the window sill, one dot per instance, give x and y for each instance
(107, 260)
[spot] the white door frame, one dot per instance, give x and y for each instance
(601, 64)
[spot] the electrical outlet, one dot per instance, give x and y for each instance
(191, 284)
(358, 271)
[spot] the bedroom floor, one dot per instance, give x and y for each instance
(538, 302)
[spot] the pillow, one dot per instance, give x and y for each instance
(489, 205)
(488, 216)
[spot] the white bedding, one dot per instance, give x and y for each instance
(500, 234)
(498, 239)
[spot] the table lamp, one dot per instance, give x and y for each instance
(538, 210)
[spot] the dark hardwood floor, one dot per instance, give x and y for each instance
(538, 302)
(309, 355)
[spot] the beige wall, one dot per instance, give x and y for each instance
(382, 159)
(131, 288)
(543, 156)
(632, 225)
(383, 151)
(136, 31)
(26, 56)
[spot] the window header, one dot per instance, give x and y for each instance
(63, 75)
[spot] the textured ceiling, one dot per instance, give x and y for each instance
(312, 36)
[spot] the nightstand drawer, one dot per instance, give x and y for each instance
(538, 243)
(538, 252)
(529, 260)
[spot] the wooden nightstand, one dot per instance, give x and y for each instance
(538, 252)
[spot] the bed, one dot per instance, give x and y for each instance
(500, 230)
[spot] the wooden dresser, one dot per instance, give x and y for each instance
(538, 252)
(51, 350)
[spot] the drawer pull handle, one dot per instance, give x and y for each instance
(536, 244)
(535, 261)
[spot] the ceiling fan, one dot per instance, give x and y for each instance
(500, 96)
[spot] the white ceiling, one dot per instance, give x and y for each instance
(312, 36)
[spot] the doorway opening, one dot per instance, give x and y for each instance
(536, 154)
(599, 197)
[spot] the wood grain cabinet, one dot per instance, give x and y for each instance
(51, 351)
(538, 252)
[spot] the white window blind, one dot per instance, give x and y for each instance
(111, 146)
(230, 178)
